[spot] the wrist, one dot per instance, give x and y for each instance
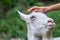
(50, 8)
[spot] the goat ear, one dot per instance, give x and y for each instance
(23, 16)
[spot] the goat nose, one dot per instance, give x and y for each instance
(51, 24)
(50, 21)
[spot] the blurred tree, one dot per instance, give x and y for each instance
(6, 5)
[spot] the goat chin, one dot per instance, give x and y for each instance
(56, 38)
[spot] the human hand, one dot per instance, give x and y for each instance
(40, 9)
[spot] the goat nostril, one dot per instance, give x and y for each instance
(50, 21)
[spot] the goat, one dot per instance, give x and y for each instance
(39, 25)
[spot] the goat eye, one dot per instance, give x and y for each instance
(32, 18)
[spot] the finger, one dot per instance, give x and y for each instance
(36, 10)
(43, 9)
(31, 9)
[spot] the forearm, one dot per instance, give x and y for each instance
(55, 7)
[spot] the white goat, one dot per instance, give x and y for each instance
(39, 25)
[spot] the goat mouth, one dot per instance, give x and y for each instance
(51, 28)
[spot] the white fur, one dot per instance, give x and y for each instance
(37, 26)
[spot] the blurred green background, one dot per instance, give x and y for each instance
(11, 25)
